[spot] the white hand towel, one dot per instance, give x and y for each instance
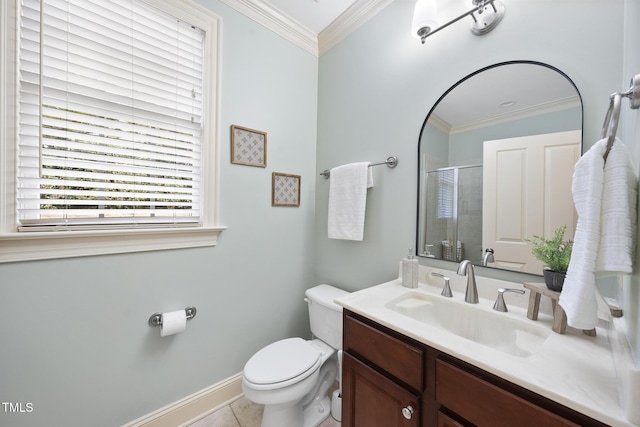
(618, 213)
(605, 199)
(578, 297)
(347, 200)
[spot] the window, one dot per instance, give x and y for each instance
(110, 115)
(446, 193)
(114, 124)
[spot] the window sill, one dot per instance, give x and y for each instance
(15, 247)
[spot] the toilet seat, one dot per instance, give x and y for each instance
(282, 363)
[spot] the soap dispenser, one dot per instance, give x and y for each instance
(410, 271)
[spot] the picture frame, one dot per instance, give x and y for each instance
(285, 189)
(248, 146)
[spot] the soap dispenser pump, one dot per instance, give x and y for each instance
(410, 271)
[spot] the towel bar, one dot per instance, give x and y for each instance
(610, 126)
(391, 161)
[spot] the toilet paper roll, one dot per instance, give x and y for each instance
(173, 322)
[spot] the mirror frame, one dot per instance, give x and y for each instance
(424, 124)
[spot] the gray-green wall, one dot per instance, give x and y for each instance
(377, 87)
(74, 333)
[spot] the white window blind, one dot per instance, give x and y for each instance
(446, 193)
(110, 116)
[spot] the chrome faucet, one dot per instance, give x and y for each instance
(466, 269)
(488, 257)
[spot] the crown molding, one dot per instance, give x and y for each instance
(265, 14)
(271, 18)
(355, 16)
(439, 124)
(549, 107)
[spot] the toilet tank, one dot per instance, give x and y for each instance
(325, 316)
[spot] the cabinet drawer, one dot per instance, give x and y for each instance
(446, 421)
(401, 360)
(485, 404)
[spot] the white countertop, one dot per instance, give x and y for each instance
(572, 369)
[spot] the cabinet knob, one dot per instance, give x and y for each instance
(407, 412)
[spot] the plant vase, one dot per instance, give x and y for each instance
(554, 280)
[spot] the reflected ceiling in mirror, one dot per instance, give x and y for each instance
(496, 156)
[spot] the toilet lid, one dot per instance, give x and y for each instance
(281, 361)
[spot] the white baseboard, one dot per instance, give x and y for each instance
(191, 408)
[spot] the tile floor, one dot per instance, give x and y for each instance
(243, 413)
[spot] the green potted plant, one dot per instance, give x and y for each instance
(555, 253)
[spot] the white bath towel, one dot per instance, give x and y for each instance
(347, 200)
(598, 244)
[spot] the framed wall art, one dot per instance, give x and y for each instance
(285, 189)
(248, 146)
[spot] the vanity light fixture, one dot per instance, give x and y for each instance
(486, 15)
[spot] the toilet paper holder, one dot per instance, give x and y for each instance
(156, 318)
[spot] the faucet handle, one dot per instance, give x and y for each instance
(500, 305)
(446, 290)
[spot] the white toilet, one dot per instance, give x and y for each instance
(291, 377)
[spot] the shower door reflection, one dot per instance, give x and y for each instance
(454, 213)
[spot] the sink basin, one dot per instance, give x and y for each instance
(488, 328)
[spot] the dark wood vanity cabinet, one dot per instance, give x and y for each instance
(383, 375)
(390, 380)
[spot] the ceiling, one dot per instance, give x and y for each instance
(314, 15)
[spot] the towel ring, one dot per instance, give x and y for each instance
(610, 125)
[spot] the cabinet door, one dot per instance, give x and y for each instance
(371, 399)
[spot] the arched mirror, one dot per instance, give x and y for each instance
(496, 158)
